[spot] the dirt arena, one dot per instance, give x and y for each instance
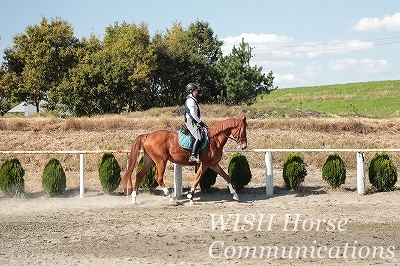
(314, 226)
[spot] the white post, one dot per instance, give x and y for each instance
(360, 173)
(269, 180)
(178, 180)
(81, 174)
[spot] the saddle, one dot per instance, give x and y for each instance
(186, 139)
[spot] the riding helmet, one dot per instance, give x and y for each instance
(191, 87)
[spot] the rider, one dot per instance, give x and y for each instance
(192, 120)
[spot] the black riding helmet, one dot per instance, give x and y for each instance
(191, 87)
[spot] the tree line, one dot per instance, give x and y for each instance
(128, 70)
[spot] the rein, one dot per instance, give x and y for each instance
(238, 139)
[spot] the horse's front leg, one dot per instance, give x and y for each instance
(218, 169)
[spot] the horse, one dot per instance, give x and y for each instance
(162, 145)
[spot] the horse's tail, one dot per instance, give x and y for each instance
(135, 149)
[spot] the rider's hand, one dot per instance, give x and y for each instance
(202, 124)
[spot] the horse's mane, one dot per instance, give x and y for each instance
(228, 123)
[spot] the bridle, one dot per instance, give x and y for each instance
(238, 139)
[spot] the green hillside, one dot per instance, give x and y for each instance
(380, 99)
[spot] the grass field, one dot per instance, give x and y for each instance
(380, 99)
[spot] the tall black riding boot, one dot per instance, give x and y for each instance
(194, 157)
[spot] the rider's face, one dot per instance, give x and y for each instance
(195, 93)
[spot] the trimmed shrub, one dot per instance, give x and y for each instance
(382, 172)
(334, 170)
(109, 173)
(207, 180)
(148, 182)
(54, 181)
(12, 178)
(294, 171)
(239, 171)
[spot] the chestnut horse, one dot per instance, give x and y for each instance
(162, 146)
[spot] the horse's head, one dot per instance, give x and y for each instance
(239, 133)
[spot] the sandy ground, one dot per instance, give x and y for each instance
(316, 225)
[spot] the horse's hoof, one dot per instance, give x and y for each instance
(235, 197)
(190, 193)
(133, 200)
(191, 202)
(171, 199)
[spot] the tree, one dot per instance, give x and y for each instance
(126, 69)
(39, 59)
(89, 88)
(207, 53)
(133, 58)
(5, 102)
(183, 56)
(242, 83)
(173, 66)
(111, 74)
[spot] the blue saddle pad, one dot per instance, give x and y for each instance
(186, 141)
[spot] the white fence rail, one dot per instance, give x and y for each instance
(81, 161)
(269, 186)
(360, 157)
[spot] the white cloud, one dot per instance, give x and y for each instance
(313, 70)
(272, 45)
(306, 62)
(365, 66)
(273, 64)
(282, 78)
(312, 50)
(259, 41)
(255, 38)
(387, 23)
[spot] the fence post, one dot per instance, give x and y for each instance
(269, 180)
(360, 173)
(81, 174)
(178, 180)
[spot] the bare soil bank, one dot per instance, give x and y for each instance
(108, 230)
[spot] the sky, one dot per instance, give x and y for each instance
(303, 42)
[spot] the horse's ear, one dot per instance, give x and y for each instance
(244, 119)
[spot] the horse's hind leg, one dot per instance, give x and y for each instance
(196, 181)
(147, 164)
(218, 169)
(161, 165)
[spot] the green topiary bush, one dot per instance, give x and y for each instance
(148, 182)
(294, 171)
(382, 172)
(109, 173)
(334, 170)
(239, 171)
(207, 180)
(12, 178)
(54, 181)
